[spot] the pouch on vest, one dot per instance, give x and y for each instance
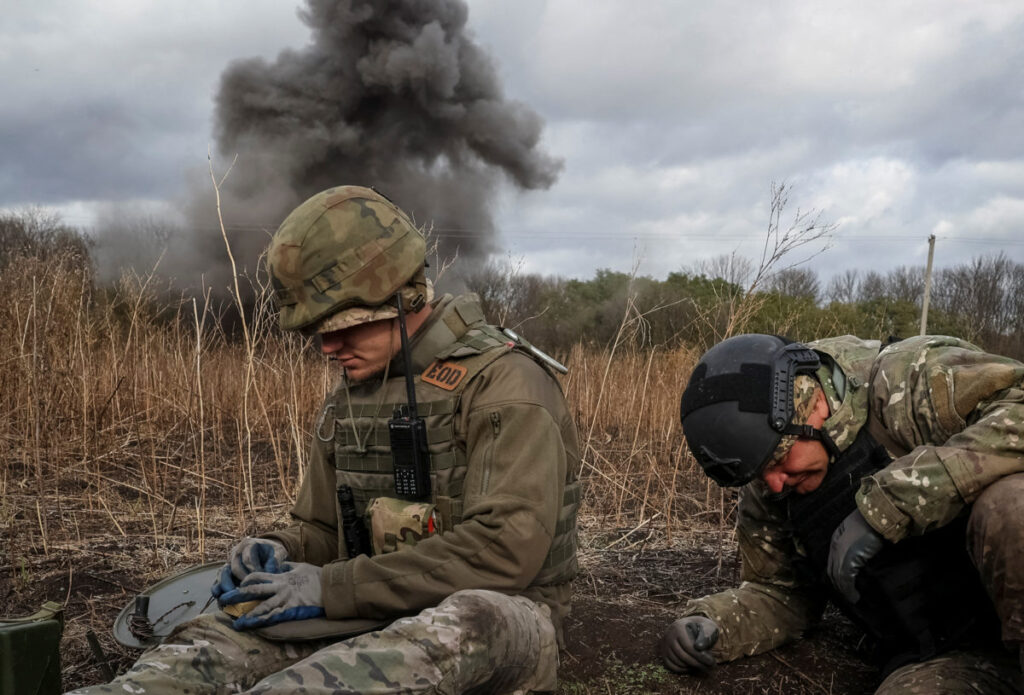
(397, 524)
(29, 652)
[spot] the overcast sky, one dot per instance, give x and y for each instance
(895, 119)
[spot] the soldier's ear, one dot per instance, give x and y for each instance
(821, 408)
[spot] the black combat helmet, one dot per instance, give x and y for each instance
(739, 403)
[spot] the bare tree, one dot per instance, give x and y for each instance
(1015, 301)
(508, 296)
(732, 268)
(843, 287)
(906, 284)
(795, 282)
(805, 229)
(981, 291)
(871, 287)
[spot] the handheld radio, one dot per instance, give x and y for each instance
(408, 432)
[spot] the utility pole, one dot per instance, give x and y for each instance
(927, 284)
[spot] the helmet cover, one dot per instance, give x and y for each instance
(346, 247)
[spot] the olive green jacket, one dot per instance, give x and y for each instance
(513, 430)
(954, 420)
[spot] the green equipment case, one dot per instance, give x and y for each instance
(30, 652)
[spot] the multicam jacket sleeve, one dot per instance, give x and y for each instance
(775, 602)
(960, 413)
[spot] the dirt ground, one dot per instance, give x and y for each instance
(631, 587)
(626, 598)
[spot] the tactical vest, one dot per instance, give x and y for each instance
(362, 451)
(919, 597)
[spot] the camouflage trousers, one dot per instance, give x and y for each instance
(473, 642)
(956, 673)
(995, 540)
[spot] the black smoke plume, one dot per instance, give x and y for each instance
(389, 93)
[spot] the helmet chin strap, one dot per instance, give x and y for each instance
(808, 432)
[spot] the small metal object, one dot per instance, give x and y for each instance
(542, 356)
(320, 424)
(138, 623)
(101, 658)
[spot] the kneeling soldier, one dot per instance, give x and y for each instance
(887, 480)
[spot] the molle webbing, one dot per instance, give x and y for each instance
(560, 565)
(362, 450)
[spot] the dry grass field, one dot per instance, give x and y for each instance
(137, 440)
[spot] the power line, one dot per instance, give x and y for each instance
(467, 233)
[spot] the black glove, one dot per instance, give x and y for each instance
(854, 543)
(687, 642)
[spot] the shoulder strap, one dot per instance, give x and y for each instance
(51, 610)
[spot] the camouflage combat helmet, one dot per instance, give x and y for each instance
(340, 256)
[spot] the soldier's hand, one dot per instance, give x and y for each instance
(854, 543)
(256, 555)
(687, 644)
(249, 555)
(293, 593)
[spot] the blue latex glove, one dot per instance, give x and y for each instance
(854, 543)
(293, 593)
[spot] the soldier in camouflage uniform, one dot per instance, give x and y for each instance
(890, 481)
(469, 586)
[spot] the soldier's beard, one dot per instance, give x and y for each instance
(377, 374)
(370, 362)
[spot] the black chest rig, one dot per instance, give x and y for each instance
(919, 597)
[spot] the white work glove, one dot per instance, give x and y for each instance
(294, 593)
(249, 555)
(256, 555)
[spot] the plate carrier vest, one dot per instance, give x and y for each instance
(362, 453)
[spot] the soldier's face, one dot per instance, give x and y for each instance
(804, 466)
(364, 349)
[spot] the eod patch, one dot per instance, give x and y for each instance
(444, 375)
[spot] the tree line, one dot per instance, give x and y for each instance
(981, 300)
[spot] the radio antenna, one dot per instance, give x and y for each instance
(410, 384)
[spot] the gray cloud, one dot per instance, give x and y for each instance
(673, 118)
